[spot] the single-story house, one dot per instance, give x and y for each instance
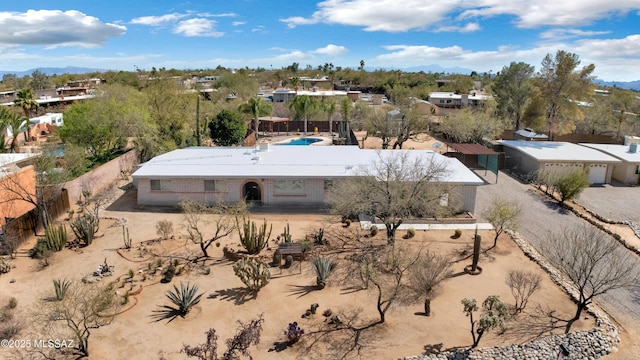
(529, 135)
(48, 118)
(275, 174)
(453, 100)
(628, 170)
(17, 181)
(284, 95)
(530, 157)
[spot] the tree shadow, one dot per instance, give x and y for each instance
(239, 295)
(301, 290)
(535, 324)
(279, 346)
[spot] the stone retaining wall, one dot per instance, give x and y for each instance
(592, 344)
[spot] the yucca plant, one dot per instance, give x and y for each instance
(184, 299)
(323, 267)
(252, 238)
(61, 286)
(55, 237)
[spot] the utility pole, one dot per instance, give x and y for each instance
(198, 141)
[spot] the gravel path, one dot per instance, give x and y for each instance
(541, 217)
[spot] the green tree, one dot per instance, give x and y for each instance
(227, 129)
(470, 126)
(25, 100)
(39, 80)
(255, 107)
(512, 91)
(561, 85)
(571, 185)
(170, 111)
(302, 107)
(503, 215)
(18, 124)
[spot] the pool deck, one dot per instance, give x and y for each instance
(326, 140)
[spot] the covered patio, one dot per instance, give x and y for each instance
(268, 121)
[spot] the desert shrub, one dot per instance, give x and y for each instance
(347, 222)
(11, 327)
(277, 258)
(306, 245)
(411, 232)
(323, 267)
(61, 287)
(572, 184)
(293, 332)
(288, 261)
(373, 230)
(5, 266)
(253, 272)
(168, 274)
(457, 233)
(318, 237)
(164, 229)
(13, 303)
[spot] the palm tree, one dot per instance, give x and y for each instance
(329, 108)
(25, 100)
(256, 107)
(303, 106)
(18, 124)
(4, 123)
(295, 82)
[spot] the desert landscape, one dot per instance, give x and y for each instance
(136, 280)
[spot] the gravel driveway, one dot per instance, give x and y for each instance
(541, 217)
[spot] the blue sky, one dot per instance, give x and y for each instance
(482, 35)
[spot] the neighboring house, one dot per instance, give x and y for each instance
(628, 170)
(17, 180)
(530, 157)
(453, 100)
(274, 174)
(284, 95)
(48, 118)
(323, 83)
(529, 135)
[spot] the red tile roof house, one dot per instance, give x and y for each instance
(274, 174)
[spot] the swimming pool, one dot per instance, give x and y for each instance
(301, 141)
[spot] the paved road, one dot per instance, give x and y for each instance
(541, 217)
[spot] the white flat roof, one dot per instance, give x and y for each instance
(282, 161)
(619, 151)
(558, 151)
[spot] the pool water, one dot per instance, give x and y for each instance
(302, 141)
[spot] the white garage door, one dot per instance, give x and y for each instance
(597, 173)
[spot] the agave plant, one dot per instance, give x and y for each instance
(184, 299)
(61, 287)
(323, 267)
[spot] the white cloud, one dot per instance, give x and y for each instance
(238, 23)
(158, 20)
(197, 27)
(560, 34)
(405, 15)
(332, 50)
(56, 28)
(470, 27)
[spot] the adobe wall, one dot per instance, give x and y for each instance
(99, 178)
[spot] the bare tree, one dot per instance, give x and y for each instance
(219, 217)
(85, 307)
(523, 284)
(397, 186)
(592, 262)
(247, 334)
(429, 271)
(503, 215)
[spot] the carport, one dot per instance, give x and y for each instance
(475, 156)
(270, 120)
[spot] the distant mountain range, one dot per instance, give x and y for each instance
(630, 85)
(54, 71)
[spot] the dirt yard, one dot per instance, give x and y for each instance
(135, 334)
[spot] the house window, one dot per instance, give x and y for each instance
(213, 185)
(638, 169)
(160, 185)
(288, 187)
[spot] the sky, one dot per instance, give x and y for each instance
(481, 35)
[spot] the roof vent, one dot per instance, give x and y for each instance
(264, 147)
(633, 148)
(255, 158)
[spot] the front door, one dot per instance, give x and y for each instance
(251, 192)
